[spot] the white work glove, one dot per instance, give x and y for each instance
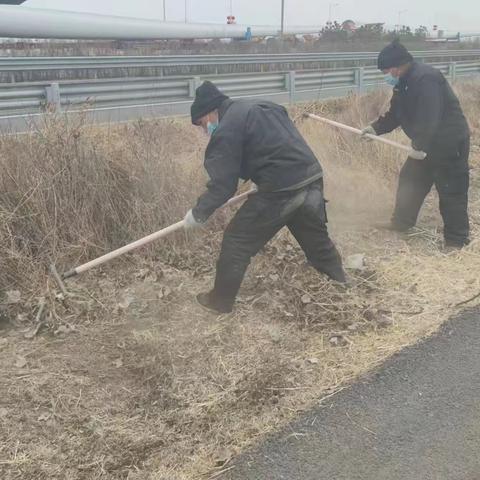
(190, 223)
(368, 131)
(417, 155)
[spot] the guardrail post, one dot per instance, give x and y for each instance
(53, 97)
(360, 79)
(290, 85)
(193, 84)
(452, 71)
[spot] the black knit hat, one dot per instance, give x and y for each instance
(207, 99)
(394, 55)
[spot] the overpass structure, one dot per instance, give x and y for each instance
(23, 22)
(17, 21)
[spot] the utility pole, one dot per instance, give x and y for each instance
(331, 6)
(400, 13)
(186, 11)
(164, 10)
(282, 27)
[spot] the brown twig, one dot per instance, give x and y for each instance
(41, 308)
(468, 300)
(38, 319)
(58, 279)
(403, 312)
(217, 474)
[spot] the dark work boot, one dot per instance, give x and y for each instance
(450, 246)
(209, 302)
(337, 275)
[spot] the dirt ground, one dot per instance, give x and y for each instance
(143, 384)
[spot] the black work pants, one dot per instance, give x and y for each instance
(449, 172)
(259, 219)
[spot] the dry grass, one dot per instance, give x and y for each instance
(71, 192)
(135, 381)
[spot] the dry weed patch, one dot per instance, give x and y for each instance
(131, 379)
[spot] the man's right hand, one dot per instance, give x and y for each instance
(417, 155)
(368, 131)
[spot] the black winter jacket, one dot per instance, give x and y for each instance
(427, 109)
(255, 140)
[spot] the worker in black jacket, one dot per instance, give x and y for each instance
(429, 112)
(256, 140)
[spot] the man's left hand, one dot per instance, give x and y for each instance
(191, 223)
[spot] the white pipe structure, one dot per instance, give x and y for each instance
(142, 242)
(22, 22)
(400, 146)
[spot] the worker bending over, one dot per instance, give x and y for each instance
(256, 140)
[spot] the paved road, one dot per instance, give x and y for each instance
(417, 418)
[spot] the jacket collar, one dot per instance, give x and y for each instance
(222, 110)
(403, 85)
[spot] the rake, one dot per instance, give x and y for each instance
(342, 126)
(131, 246)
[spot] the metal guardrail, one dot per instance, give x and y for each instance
(15, 64)
(130, 98)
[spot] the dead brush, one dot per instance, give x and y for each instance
(314, 302)
(71, 192)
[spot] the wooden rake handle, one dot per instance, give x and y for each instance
(377, 138)
(144, 241)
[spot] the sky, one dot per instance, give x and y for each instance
(461, 15)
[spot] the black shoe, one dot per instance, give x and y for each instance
(336, 275)
(207, 302)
